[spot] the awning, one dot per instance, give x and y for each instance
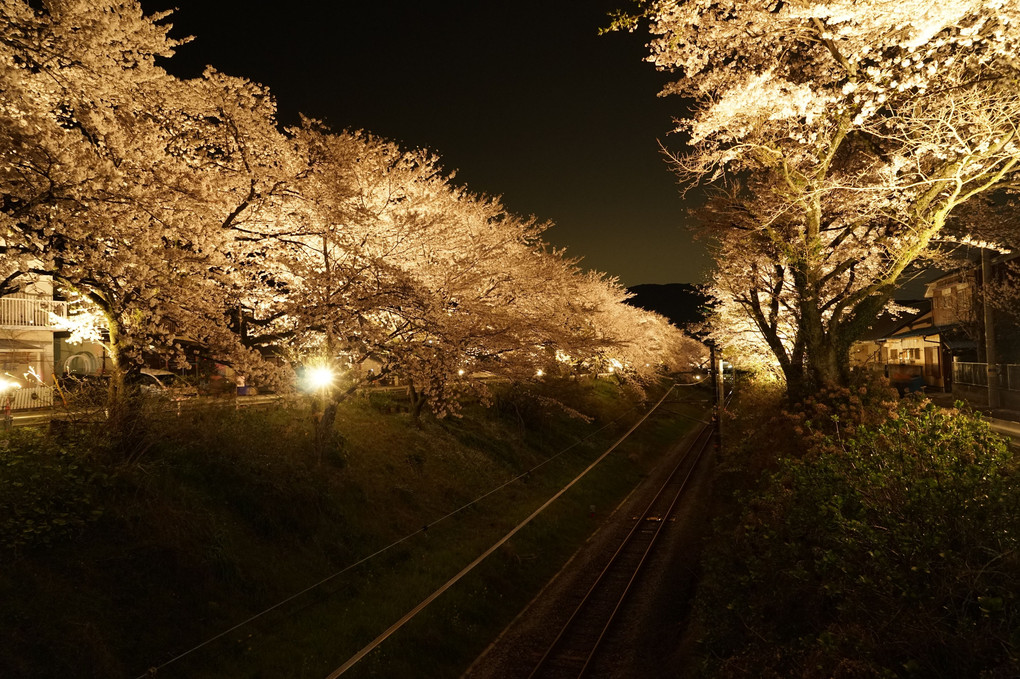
(959, 344)
(928, 331)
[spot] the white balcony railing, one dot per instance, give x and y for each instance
(30, 312)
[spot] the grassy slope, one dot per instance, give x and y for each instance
(229, 513)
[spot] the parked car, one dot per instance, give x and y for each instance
(165, 384)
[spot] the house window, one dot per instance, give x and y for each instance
(893, 354)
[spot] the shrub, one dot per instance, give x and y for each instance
(888, 549)
(48, 493)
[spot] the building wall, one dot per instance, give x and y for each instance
(918, 355)
(28, 366)
(954, 299)
(866, 353)
(26, 346)
(900, 359)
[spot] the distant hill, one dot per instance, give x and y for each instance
(684, 304)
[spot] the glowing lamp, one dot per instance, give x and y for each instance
(320, 377)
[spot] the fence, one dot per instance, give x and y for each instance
(31, 397)
(30, 312)
(976, 374)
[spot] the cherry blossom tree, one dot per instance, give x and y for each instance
(386, 257)
(76, 196)
(590, 329)
(127, 186)
(357, 213)
(862, 125)
(754, 322)
(178, 210)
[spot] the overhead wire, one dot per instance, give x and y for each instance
(152, 671)
(353, 660)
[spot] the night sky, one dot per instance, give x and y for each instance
(521, 99)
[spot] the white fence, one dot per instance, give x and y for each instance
(30, 312)
(31, 397)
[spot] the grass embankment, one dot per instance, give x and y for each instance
(112, 569)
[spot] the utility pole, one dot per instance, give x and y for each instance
(718, 381)
(991, 356)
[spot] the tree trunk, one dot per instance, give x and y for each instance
(828, 367)
(796, 381)
(325, 430)
(327, 440)
(124, 424)
(791, 363)
(826, 348)
(819, 349)
(417, 399)
(116, 394)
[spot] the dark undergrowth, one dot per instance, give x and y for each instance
(220, 515)
(864, 536)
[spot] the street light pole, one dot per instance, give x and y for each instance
(720, 396)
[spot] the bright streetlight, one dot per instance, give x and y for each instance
(320, 377)
(7, 396)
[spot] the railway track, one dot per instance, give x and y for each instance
(573, 649)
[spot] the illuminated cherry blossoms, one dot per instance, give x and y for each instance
(178, 208)
(846, 134)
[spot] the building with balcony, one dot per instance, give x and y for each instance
(27, 329)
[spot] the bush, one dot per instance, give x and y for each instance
(887, 549)
(48, 493)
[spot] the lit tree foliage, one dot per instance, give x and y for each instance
(178, 210)
(862, 125)
(390, 260)
(84, 130)
(122, 181)
(755, 319)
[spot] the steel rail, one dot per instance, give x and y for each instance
(357, 657)
(583, 632)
